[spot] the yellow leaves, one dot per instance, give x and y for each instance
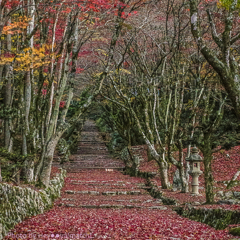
(116, 71)
(6, 60)
(227, 3)
(16, 27)
(97, 74)
(101, 39)
(102, 51)
(29, 58)
(132, 99)
(46, 82)
(124, 71)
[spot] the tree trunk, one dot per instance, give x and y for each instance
(184, 181)
(225, 64)
(7, 100)
(163, 169)
(149, 156)
(47, 162)
(164, 175)
(29, 170)
(208, 176)
(0, 173)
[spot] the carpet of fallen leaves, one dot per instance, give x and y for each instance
(99, 204)
(139, 222)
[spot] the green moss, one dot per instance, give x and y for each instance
(235, 231)
(19, 203)
(217, 218)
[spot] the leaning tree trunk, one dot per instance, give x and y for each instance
(47, 162)
(208, 176)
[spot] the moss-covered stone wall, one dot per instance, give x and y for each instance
(17, 203)
(217, 218)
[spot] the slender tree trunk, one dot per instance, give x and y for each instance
(182, 170)
(0, 173)
(7, 100)
(28, 164)
(208, 176)
(184, 181)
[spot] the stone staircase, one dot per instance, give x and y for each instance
(92, 152)
(95, 182)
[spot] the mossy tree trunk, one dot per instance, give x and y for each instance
(208, 175)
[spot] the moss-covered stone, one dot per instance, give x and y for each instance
(17, 203)
(235, 231)
(217, 218)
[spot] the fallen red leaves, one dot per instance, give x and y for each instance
(225, 165)
(137, 223)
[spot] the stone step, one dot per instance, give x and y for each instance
(113, 206)
(107, 193)
(77, 170)
(96, 165)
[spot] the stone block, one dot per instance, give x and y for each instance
(70, 192)
(82, 192)
(236, 194)
(122, 193)
(69, 205)
(94, 193)
(228, 194)
(158, 207)
(220, 194)
(109, 193)
(135, 192)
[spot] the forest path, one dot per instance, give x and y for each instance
(96, 203)
(92, 152)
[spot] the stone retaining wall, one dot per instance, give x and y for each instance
(217, 218)
(17, 203)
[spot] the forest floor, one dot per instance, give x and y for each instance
(99, 202)
(225, 165)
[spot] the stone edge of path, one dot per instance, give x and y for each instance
(19, 203)
(216, 218)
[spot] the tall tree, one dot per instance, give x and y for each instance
(219, 49)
